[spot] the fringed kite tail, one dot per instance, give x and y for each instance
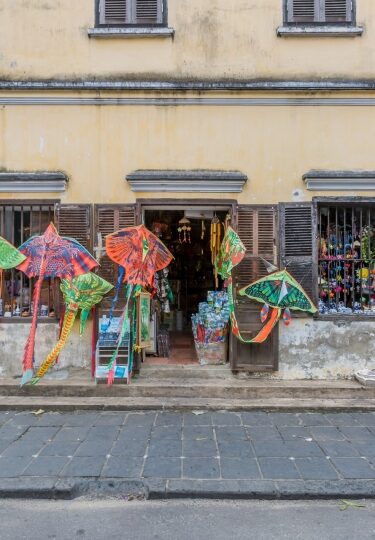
(53, 355)
(267, 328)
(28, 356)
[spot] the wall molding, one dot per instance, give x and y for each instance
(328, 180)
(33, 182)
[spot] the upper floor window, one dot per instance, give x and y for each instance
(319, 11)
(131, 12)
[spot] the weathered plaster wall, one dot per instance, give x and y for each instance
(97, 146)
(324, 350)
(77, 352)
(213, 39)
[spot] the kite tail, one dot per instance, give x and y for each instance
(28, 356)
(123, 324)
(266, 329)
(53, 355)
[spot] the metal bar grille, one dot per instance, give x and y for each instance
(17, 224)
(346, 266)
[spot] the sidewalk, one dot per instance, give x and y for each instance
(201, 454)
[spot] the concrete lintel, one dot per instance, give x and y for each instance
(319, 31)
(130, 32)
(33, 182)
(326, 180)
(189, 181)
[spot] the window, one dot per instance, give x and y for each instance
(346, 264)
(319, 11)
(17, 223)
(131, 12)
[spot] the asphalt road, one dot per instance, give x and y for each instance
(184, 520)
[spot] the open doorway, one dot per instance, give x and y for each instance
(185, 284)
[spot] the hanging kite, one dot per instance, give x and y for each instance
(140, 254)
(49, 256)
(10, 257)
(82, 292)
(278, 290)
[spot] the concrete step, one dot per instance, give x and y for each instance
(225, 389)
(48, 403)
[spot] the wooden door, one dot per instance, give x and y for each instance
(256, 226)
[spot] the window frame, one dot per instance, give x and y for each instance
(318, 202)
(33, 202)
(287, 23)
(164, 23)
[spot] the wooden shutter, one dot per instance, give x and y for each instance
(338, 11)
(256, 226)
(148, 11)
(296, 243)
(74, 220)
(319, 11)
(109, 219)
(113, 11)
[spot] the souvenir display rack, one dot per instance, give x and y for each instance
(105, 347)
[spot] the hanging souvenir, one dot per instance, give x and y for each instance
(215, 245)
(184, 229)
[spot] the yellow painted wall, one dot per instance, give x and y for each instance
(98, 145)
(214, 39)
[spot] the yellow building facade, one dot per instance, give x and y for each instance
(227, 104)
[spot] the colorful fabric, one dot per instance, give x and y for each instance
(279, 290)
(10, 257)
(81, 293)
(139, 252)
(49, 255)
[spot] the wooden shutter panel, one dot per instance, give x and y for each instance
(296, 243)
(256, 227)
(74, 220)
(304, 11)
(113, 11)
(338, 10)
(109, 219)
(148, 11)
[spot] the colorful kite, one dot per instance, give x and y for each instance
(278, 290)
(10, 257)
(82, 292)
(140, 254)
(49, 256)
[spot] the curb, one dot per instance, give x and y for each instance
(159, 489)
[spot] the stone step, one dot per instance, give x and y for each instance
(48, 403)
(236, 389)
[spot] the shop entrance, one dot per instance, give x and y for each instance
(192, 234)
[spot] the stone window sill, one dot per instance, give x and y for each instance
(131, 32)
(319, 31)
(343, 318)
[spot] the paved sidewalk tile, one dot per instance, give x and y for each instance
(364, 448)
(263, 433)
(166, 432)
(22, 448)
(199, 448)
(278, 468)
(256, 418)
(235, 449)
(357, 433)
(198, 432)
(132, 447)
(134, 433)
(25, 419)
(12, 432)
(140, 419)
(204, 468)
(40, 433)
(110, 419)
(46, 466)
(339, 449)
(236, 468)
(125, 467)
(286, 419)
(294, 432)
(342, 419)
(51, 419)
(316, 469)
(271, 448)
(169, 419)
(71, 434)
(232, 433)
(314, 419)
(84, 466)
(354, 468)
(99, 447)
(226, 419)
(5, 416)
(165, 448)
(60, 448)
(364, 418)
(325, 433)
(13, 465)
(156, 467)
(84, 419)
(301, 448)
(191, 419)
